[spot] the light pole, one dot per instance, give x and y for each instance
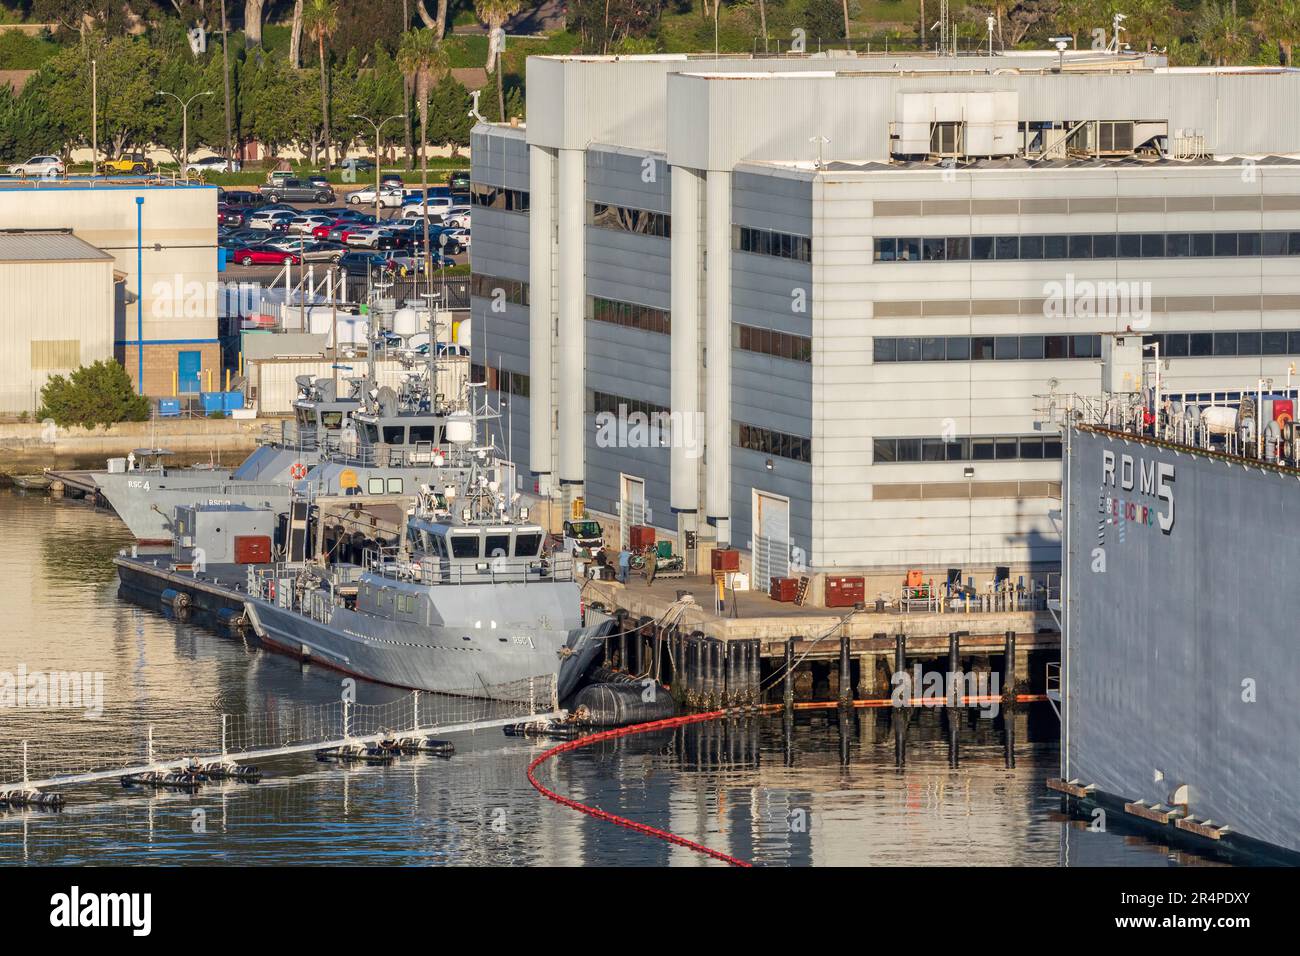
(378, 126)
(185, 126)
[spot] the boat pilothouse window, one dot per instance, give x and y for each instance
(394, 435)
(369, 433)
(425, 433)
(465, 545)
(527, 544)
(332, 421)
(498, 546)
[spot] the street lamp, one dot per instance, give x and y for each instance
(378, 126)
(185, 126)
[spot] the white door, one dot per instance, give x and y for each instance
(771, 544)
(631, 505)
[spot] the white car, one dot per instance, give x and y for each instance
(270, 219)
(38, 166)
(433, 206)
(366, 238)
(390, 196)
(461, 235)
(305, 224)
(212, 164)
(457, 216)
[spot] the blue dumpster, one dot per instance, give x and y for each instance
(169, 407)
(234, 401)
(212, 402)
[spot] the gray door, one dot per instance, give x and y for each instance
(631, 505)
(771, 539)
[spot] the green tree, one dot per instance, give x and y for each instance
(1223, 33)
(320, 19)
(421, 57)
(449, 117)
(1281, 22)
(98, 394)
(495, 13)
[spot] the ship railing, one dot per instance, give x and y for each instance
(1054, 680)
(388, 562)
(382, 455)
(1000, 598)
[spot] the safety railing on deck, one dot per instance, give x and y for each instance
(387, 562)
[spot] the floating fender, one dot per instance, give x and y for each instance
(621, 704)
(175, 599)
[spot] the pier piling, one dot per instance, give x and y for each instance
(846, 671)
(789, 676)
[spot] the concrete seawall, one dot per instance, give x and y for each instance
(30, 447)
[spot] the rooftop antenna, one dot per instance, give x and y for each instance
(1060, 43)
(1116, 30)
(991, 23)
(820, 141)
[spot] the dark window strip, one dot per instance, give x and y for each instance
(502, 380)
(514, 291)
(626, 219)
(974, 348)
(630, 315)
(497, 197)
(786, 345)
(976, 448)
(764, 242)
(1134, 245)
(765, 441)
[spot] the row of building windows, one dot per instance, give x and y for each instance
(1126, 245)
(512, 290)
(797, 348)
(631, 316)
(498, 197)
(1270, 342)
(982, 448)
(984, 348)
(765, 441)
(625, 218)
(768, 243)
(502, 380)
(605, 403)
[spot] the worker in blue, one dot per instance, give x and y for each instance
(624, 565)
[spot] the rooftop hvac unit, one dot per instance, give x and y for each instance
(1121, 363)
(966, 123)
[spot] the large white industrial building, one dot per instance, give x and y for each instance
(847, 280)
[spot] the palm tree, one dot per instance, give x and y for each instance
(421, 57)
(1281, 22)
(320, 18)
(1222, 33)
(295, 36)
(495, 13)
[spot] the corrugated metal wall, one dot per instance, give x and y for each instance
(55, 302)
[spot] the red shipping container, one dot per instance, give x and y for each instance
(845, 591)
(784, 590)
(640, 537)
(252, 549)
(726, 559)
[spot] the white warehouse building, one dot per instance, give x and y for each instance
(848, 281)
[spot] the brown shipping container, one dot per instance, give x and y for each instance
(784, 590)
(727, 559)
(845, 591)
(252, 549)
(640, 537)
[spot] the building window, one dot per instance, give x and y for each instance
(629, 315)
(765, 441)
(626, 219)
(980, 448)
(1147, 245)
(764, 242)
(785, 345)
(1207, 344)
(985, 348)
(498, 197)
(514, 291)
(502, 380)
(605, 403)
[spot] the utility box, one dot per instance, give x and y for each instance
(784, 590)
(222, 534)
(640, 537)
(726, 559)
(1121, 362)
(845, 591)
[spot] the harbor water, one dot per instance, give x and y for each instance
(818, 792)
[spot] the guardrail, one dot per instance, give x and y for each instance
(431, 570)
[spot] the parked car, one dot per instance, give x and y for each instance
(212, 164)
(136, 163)
(413, 196)
(243, 198)
(340, 229)
(390, 196)
(373, 237)
(362, 263)
(458, 179)
(429, 206)
(323, 251)
(227, 216)
(298, 190)
(456, 216)
(264, 255)
(415, 232)
(305, 223)
(39, 166)
(319, 180)
(358, 165)
(461, 235)
(272, 219)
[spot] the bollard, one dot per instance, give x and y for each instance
(900, 713)
(954, 684)
(756, 671)
(789, 676)
(1009, 700)
(846, 672)
(717, 665)
(1009, 666)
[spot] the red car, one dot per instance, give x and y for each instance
(264, 255)
(229, 217)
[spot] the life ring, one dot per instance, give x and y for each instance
(298, 471)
